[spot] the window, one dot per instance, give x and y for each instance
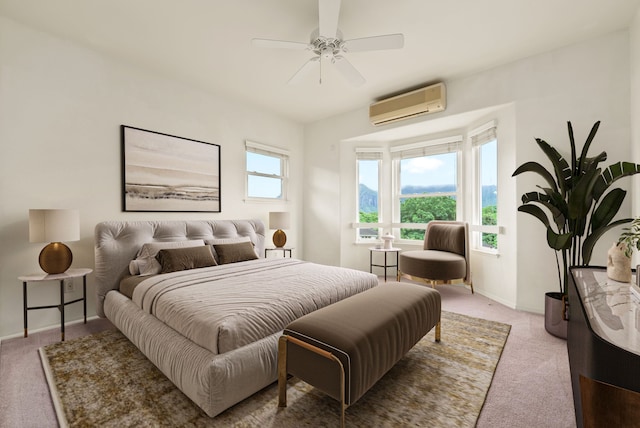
(485, 218)
(368, 204)
(426, 176)
(267, 171)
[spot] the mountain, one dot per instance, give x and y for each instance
(368, 200)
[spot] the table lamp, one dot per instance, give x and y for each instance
(279, 220)
(54, 226)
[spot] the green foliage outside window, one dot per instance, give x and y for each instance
(371, 217)
(423, 210)
(489, 218)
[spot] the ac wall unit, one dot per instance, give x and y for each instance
(425, 100)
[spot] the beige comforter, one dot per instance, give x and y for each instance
(225, 307)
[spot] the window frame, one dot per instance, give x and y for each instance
(369, 154)
(478, 137)
(451, 144)
(275, 152)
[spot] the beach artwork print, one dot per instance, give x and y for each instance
(167, 173)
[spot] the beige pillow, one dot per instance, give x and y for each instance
(218, 241)
(232, 253)
(145, 262)
(176, 259)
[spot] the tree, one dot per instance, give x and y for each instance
(368, 217)
(423, 210)
(489, 218)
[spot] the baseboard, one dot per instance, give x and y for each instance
(496, 298)
(49, 327)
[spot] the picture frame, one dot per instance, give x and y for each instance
(162, 172)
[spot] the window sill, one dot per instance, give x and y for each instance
(265, 200)
(488, 253)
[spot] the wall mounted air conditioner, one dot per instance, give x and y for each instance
(425, 100)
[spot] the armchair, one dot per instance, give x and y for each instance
(444, 257)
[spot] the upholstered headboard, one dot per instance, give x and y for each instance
(117, 243)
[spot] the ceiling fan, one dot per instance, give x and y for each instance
(327, 45)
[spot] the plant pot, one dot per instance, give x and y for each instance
(554, 308)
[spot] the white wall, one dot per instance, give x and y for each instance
(61, 106)
(581, 83)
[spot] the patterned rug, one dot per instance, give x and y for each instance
(103, 380)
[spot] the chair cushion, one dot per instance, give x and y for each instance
(432, 264)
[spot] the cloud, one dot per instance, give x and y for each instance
(420, 165)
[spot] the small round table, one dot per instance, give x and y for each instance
(40, 277)
(284, 250)
(385, 265)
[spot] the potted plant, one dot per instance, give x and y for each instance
(630, 237)
(619, 255)
(576, 212)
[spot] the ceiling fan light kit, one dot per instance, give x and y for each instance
(328, 45)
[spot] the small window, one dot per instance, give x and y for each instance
(368, 203)
(267, 172)
(485, 151)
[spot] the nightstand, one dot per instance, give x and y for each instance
(283, 249)
(70, 274)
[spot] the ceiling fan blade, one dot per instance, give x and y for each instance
(328, 12)
(306, 68)
(388, 41)
(348, 71)
(279, 44)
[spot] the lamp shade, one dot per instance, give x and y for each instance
(54, 225)
(279, 220)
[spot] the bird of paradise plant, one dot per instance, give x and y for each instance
(573, 206)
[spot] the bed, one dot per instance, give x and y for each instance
(213, 329)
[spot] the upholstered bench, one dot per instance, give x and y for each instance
(343, 349)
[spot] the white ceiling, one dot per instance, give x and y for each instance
(207, 43)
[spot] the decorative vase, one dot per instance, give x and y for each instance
(388, 241)
(555, 321)
(618, 264)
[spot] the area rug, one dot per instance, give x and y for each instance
(103, 380)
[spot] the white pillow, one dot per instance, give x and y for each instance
(222, 241)
(145, 262)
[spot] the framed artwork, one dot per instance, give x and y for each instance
(162, 172)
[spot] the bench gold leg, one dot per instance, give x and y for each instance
(438, 331)
(282, 371)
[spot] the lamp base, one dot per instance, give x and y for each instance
(279, 238)
(55, 258)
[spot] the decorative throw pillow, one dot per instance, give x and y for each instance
(176, 259)
(219, 241)
(145, 262)
(232, 253)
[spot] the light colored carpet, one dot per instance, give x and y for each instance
(103, 380)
